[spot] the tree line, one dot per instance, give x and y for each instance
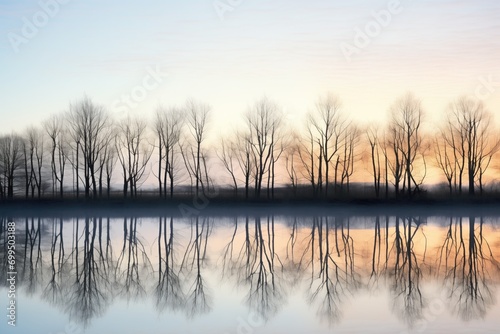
(85, 152)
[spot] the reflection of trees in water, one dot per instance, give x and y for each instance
(82, 276)
(257, 266)
(84, 280)
(89, 294)
(395, 261)
(229, 265)
(28, 253)
(380, 252)
(292, 265)
(59, 266)
(406, 274)
(81, 273)
(329, 254)
(168, 290)
(75, 282)
(265, 294)
(105, 259)
(197, 300)
(467, 260)
(32, 262)
(132, 262)
(4, 265)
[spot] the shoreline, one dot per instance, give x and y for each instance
(188, 207)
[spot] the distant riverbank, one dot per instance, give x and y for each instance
(236, 207)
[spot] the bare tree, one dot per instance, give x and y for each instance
(107, 158)
(192, 154)
(245, 157)
(406, 118)
(11, 160)
(291, 156)
(282, 142)
(473, 139)
(394, 158)
(454, 138)
(54, 127)
(349, 156)
(327, 125)
(372, 135)
(133, 152)
(87, 124)
(110, 160)
(168, 127)
(263, 122)
(444, 155)
(226, 155)
(33, 157)
(310, 157)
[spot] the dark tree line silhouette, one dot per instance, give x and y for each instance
(84, 152)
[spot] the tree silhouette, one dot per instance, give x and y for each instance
(33, 147)
(54, 127)
(11, 160)
(263, 122)
(168, 127)
(88, 123)
(326, 127)
(406, 141)
(471, 139)
(193, 154)
(133, 153)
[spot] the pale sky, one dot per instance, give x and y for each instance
(287, 50)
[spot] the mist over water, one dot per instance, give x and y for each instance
(257, 273)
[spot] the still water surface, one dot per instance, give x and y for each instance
(259, 273)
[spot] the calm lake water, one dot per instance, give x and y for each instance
(260, 273)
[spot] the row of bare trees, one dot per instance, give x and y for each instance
(464, 146)
(398, 152)
(84, 150)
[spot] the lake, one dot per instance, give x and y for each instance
(251, 273)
